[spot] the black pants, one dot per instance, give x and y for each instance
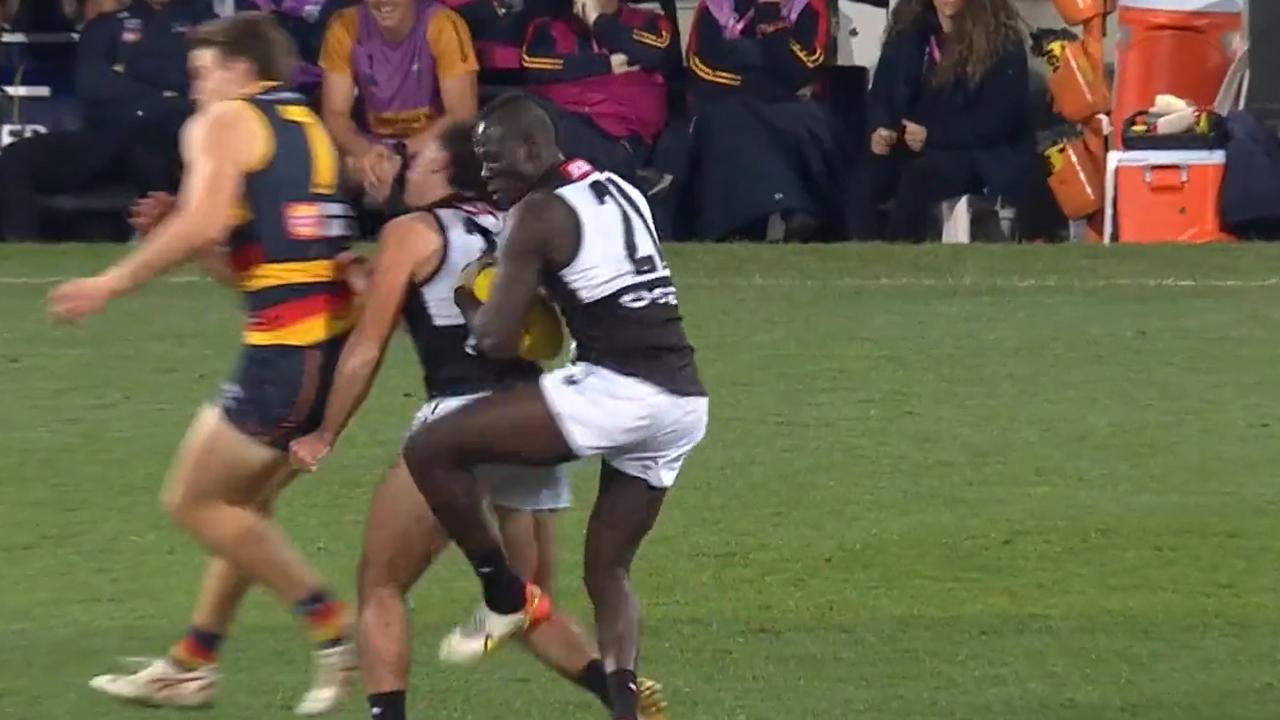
(916, 183)
(144, 157)
(751, 159)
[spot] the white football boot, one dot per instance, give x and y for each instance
(332, 679)
(161, 683)
(471, 641)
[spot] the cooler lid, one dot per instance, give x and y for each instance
(1157, 158)
(1201, 6)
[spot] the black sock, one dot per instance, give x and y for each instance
(503, 589)
(387, 705)
(622, 693)
(593, 679)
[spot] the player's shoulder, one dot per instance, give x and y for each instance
(545, 206)
(418, 228)
(239, 120)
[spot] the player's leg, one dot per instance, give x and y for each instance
(188, 675)
(528, 536)
(625, 510)
(401, 540)
(221, 591)
(645, 435)
(212, 486)
(511, 427)
(209, 492)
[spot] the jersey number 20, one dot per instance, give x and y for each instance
(607, 191)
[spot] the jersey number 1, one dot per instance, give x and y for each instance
(324, 158)
(607, 191)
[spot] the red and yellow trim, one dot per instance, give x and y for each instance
(306, 321)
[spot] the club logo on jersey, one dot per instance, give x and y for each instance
(304, 221)
(576, 169)
(131, 30)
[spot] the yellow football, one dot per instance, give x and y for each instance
(543, 335)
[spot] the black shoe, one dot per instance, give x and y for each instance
(801, 227)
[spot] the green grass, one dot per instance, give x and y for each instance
(993, 483)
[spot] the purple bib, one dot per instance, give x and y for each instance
(396, 78)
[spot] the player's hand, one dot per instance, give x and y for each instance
(914, 135)
(354, 268)
(588, 10)
(621, 64)
(470, 271)
(883, 140)
(378, 168)
(147, 212)
(306, 452)
(77, 299)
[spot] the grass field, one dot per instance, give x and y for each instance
(997, 483)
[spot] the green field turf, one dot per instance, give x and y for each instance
(998, 483)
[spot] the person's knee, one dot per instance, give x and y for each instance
(377, 586)
(425, 449)
(177, 503)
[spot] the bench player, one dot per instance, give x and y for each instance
(260, 177)
(419, 260)
(632, 396)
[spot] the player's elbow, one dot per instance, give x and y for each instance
(202, 229)
(497, 345)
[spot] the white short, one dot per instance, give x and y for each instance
(516, 487)
(636, 426)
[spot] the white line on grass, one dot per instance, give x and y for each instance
(761, 281)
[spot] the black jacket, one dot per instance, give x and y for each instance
(131, 65)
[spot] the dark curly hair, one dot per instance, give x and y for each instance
(983, 31)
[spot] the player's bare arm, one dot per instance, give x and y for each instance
(146, 214)
(217, 146)
(409, 247)
(539, 226)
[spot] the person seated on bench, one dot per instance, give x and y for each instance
(948, 114)
(599, 65)
(498, 29)
(415, 67)
(764, 152)
(132, 82)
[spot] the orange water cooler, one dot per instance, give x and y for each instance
(1175, 47)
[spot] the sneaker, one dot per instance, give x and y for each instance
(333, 677)
(471, 641)
(161, 683)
